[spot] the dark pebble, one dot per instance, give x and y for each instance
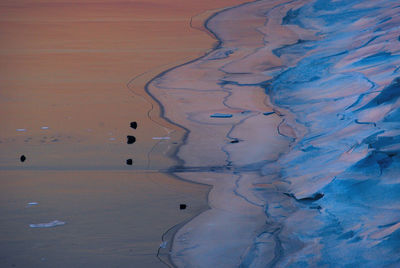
(134, 125)
(182, 206)
(234, 141)
(129, 162)
(131, 139)
(22, 158)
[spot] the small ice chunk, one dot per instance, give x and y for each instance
(47, 225)
(164, 244)
(161, 138)
(44, 127)
(221, 115)
(32, 204)
(21, 129)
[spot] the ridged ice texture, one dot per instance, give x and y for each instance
(344, 172)
(311, 180)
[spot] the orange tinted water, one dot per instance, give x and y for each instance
(68, 66)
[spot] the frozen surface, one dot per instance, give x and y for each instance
(309, 175)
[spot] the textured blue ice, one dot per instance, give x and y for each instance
(345, 90)
(331, 194)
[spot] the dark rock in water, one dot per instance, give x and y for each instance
(235, 141)
(131, 139)
(22, 158)
(134, 125)
(129, 162)
(182, 206)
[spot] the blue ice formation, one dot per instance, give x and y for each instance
(345, 91)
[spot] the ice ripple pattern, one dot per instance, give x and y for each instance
(343, 86)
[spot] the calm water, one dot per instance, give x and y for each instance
(112, 218)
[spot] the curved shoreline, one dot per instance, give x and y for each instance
(161, 107)
(309, 157)
(181, 162)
